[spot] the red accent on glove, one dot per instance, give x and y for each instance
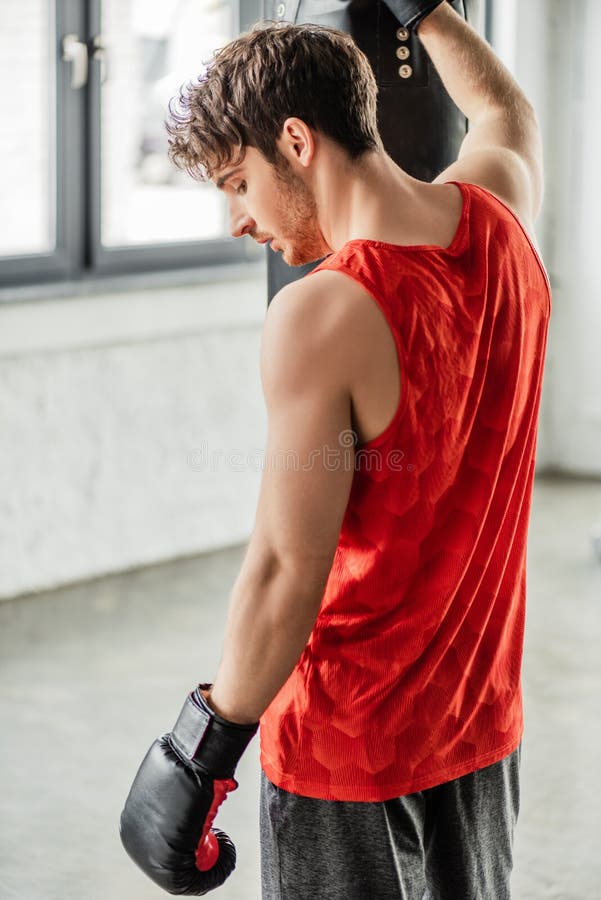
(207, 852)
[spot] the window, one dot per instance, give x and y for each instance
(27, 170)
(85, 183)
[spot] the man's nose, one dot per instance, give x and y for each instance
(240, 222)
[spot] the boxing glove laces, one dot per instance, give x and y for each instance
(166, 823)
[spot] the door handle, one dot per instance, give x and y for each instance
(99, 53)
(76, 52)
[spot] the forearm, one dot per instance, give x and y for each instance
(270, 619)
(471, 72)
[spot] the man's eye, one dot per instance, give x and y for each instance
(241, 189)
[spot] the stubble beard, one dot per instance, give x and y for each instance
(302, 239)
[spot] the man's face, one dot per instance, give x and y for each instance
(272, 203)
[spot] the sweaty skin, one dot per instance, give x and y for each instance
(328, 362)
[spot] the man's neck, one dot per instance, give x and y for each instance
(376, 199)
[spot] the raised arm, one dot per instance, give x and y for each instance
(502, 149)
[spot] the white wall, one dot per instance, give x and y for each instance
(133, 426)
(557, 60)
(573, 237)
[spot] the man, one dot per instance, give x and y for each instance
(376, 626)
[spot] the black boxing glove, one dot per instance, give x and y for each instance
(185, 776)
(410, 12)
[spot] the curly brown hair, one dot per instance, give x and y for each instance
(257, 81)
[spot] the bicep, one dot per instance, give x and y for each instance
(309, 457)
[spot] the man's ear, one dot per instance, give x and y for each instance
(297, 142)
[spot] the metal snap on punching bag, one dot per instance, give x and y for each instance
(420, 126)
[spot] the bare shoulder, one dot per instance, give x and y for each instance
(334, 304)
(316, 307)
(318, 328)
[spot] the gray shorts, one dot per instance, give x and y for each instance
(450, 842)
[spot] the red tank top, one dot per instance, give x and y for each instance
(411, 676)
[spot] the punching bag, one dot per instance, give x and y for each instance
(420, 126)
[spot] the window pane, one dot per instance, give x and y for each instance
(27, 113)
(153, 46)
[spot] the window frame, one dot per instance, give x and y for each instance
(67, 146)
(78, 255)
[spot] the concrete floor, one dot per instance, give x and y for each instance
(91, 674)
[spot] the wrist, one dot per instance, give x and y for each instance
(434, 18)
(410, 13)
(206, 740)
(227, 711)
